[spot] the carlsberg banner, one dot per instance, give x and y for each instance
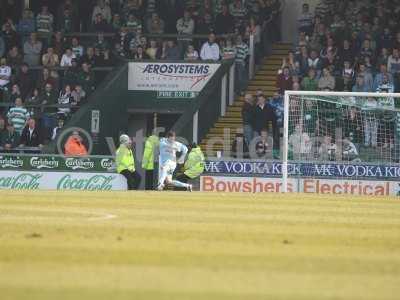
(56, 163)
(178, 77)
(61, 181)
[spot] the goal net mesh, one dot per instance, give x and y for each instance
(337, 128)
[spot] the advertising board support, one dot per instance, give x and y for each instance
(196, 127)
(232, 84)
(223, 95)
(252, 58)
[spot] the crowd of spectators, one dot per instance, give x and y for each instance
(345, 46)
(47, 65)
(350, 46)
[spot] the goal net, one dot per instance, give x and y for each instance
(347, 138)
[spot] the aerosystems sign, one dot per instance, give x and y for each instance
(31, 180)
(170, 80)
(311, 186)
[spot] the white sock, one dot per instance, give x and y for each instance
(179, 184)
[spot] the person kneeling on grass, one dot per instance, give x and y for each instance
(194, 164)
(168, 160)
(126, 162)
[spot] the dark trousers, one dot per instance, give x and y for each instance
(149, 177)
(182, 178)
(132, 178)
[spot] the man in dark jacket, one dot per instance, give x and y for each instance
(31, 136)
(224, 22)
(248, 118)
(263, 115)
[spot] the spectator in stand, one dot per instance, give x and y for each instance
(140, 54)
(15, 93)
(25, 81)
(264, 146)
(305, 20)
(18, 115)
(100, 25)
(394, 67)
(210, 49)
(10, 138)
(45, 21)
(2, 46)
(58, 43)
(101, 43)
(133, 24)
(74, 145)
(310, 82)
(9, 35)
(385, 86)
(360, 85)
(368, 78)
(89, 57)
(229, 50)
(185, 26)
(155, 24)
(300, 144)
(248, 118)
(284, 81)
(224, 22)
(263, 113)
(314, 61)
(172, 51)
(27, 24)
(383, 71)
(78, 96)
(153, 51)
(191, 54)
(50, 59)
(68, 56)
(65, 99)
(32, 50)
(204, 23)
(327, 81)
(66, 21)
(86, 79)
(5, 75)
(239, 147)
(242, 53)
(102, 9)
(383, 57)
(14, 57)
(276, 103)
(31, 135)
(76, 48)
(33, 99)
(2, 128)
(56, 130)
(238, 11)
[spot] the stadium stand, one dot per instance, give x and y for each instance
(54, 56)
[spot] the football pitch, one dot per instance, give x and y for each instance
(166, 245)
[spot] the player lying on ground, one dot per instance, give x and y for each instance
(168, 160)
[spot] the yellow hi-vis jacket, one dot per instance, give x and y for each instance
(194, 164)
(152, 142)
(124, 159)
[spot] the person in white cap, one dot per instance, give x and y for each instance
(126, 162)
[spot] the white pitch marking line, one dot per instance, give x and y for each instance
(103, 217)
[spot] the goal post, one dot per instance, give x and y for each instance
(338, 128)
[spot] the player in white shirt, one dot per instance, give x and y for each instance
(168, 160)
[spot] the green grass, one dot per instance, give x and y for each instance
(66, 245)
